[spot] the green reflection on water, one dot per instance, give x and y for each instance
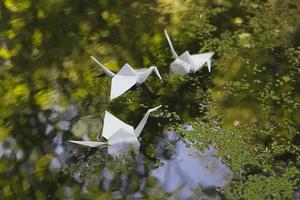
(45, 71)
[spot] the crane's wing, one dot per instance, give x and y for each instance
(186, 57)
(171, 45)
(106, 71)
(88, 143)
(200, 59)
(112, 125)
(140, 70)
(127, 70)
(120, 84)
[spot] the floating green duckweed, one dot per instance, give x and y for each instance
(262, 171)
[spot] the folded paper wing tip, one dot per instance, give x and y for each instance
(88, 143)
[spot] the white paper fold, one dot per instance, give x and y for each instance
(126, 78)
(119, 135)
(186, 63)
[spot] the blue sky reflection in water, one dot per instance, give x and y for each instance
(188, 169)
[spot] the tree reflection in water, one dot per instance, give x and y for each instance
(48, 86)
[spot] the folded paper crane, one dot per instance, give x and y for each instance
(126, 77)
(119, 135)
(186, 63)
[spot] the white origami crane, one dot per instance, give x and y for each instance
(119, 135)
(186, 63)
(126, 77)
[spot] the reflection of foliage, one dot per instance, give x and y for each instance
(253, 158)
(258, 68)
(122, 175)
(44, 65)
(272, 187)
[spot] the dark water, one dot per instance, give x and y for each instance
(51, 92)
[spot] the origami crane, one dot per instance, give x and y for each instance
(126, 78)
(186, 63)
(119, 135)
